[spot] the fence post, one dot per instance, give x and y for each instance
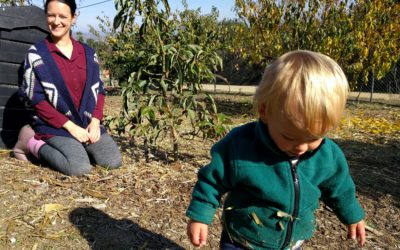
(371, 74)
(396, 87)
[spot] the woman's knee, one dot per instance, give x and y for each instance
(76, 169)
(66, 161)
(112, 162)
(105, 152)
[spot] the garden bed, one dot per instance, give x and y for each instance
(142, 204)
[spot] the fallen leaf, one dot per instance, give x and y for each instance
(100, 206)
(53, 207)
(282, 214)
(256, 219)
(96, 194)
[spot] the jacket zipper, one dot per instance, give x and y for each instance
(295, 213)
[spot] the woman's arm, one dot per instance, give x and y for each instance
(50, 115)
(53, 117)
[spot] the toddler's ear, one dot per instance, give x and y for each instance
(261, 109)
(262, 112)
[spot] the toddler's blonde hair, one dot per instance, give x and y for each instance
(309, 88)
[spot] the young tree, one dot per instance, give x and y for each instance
(167, 59)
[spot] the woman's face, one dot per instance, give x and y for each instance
(59, 19)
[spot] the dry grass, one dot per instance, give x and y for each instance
(142, 205)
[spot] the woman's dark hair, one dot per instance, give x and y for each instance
(70, 3)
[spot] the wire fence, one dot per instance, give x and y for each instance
(386, 89)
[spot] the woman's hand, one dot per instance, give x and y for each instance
(77, 132)
(197, 233)
(94, 130)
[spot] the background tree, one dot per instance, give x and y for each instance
(376, 32)
(363, 36)
(272, 28)
(14, 2)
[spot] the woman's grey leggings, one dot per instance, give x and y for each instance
(71, 157)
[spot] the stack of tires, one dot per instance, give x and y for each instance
(20, 27)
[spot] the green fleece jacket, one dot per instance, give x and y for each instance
(271, 200)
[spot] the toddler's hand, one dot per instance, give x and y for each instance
(197, 233)
(357, 231)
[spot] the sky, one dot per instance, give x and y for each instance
(88, 10)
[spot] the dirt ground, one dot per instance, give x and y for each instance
(142, 205)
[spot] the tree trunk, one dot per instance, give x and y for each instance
(146, 150)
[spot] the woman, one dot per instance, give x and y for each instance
(62, 82)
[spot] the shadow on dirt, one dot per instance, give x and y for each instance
(137, 151)
(375, 168)
(241, 104)
(103, 232)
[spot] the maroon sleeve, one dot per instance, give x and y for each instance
(50, 115)
(98, 110)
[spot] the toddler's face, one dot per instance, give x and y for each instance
(291, 140)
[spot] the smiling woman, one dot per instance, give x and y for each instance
(61, 81)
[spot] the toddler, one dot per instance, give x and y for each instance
(276, 170)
